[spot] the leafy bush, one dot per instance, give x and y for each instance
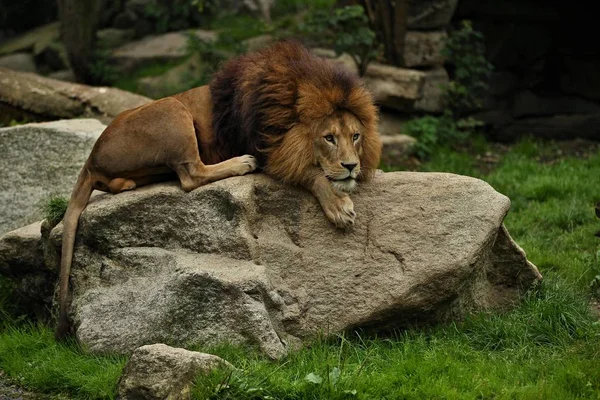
(465, 51)
(177, 14)
(432, 132)
(347, 30)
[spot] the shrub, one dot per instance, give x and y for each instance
(347, 30)
(465, 51)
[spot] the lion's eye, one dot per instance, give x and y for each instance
(329, 138)
(356, 136)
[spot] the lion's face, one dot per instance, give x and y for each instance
(337, 142)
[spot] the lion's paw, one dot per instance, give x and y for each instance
(340, 212)
(244, 164)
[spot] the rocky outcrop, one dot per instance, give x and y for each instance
(38, 161)
(158, 372)
(249, 260)
(402, 89)
(38, 97)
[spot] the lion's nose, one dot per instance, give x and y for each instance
(349, 167)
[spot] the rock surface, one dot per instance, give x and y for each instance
(40, 160)
(400, 89)
(19, 62)
(54, 99)
(22, 265)
(424, 49)
(249, 260)
(158, 372)
(167, 47)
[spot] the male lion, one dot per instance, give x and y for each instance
(304, 120)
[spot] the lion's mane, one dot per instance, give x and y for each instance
(260, 99)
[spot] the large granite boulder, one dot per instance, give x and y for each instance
(38, 161)
(250, 260)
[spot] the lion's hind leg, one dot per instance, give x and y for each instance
(119, 185)
(195, 174)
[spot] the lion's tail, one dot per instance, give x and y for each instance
(79, 199)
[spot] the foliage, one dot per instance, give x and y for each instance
(101, 70)
(465, 51)
(433, 132)
(347, 30)
(177, 14)
(289, 7)
(54, 208)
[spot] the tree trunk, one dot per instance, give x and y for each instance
(79, 22)
(388, 20)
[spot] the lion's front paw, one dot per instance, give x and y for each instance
(244, 164)
(340, 211)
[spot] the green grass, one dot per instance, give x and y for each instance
(547, 348)
(30, 357)
(54, 208)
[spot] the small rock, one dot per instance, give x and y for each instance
(161, 372)
(19, 62)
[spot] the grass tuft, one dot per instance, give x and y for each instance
(54, 208)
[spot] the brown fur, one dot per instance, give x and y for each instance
(309, 122)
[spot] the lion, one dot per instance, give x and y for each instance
(301, 119)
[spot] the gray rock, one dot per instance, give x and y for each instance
(396, 148)
(430, 14)
(174, 80)
(109, 38)
(158, 372)
(40, 160)
(22, 265)
(19, 62)
(400, 89)
(66, 75)
(53, 99)
(167, 47)
(250, 260)
(432, 98)
(424, 49)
